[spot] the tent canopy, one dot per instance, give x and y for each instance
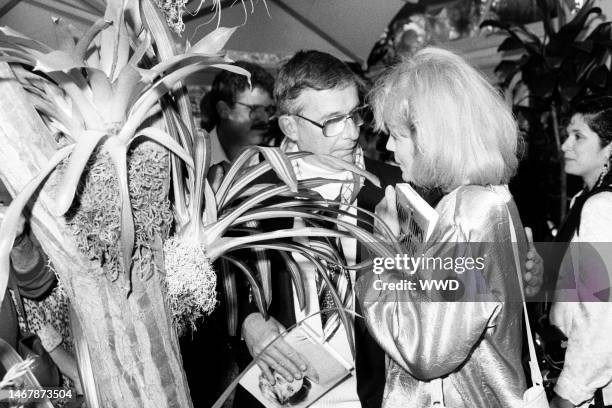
(345, 28)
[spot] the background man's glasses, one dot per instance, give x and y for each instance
(259, 111)
(334, 126)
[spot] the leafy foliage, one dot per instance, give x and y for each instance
(544, 77)
(99, 92)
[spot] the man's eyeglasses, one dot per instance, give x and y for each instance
(334, 126)
(259, 111)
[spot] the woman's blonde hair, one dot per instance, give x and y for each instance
(465, 132)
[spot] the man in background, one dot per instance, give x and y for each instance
(240, 114)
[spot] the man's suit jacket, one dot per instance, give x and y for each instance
(370, 359)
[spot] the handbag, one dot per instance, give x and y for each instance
(30, 345)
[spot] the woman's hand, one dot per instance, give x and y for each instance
(534, 268)
(387, 211)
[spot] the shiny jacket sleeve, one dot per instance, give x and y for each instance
(428, 333)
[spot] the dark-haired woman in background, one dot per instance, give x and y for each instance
(582, 308)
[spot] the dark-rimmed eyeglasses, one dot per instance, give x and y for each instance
(334, 126)
(259, 111)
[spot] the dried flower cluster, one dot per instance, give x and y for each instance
(190, 283)
(173, 11)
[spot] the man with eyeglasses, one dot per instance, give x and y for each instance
(240, 113)
(321, 112)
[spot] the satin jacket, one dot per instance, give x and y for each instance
(470, 337)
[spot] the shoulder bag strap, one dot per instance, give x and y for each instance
(536, 375)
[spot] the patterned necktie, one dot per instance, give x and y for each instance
(341, 283)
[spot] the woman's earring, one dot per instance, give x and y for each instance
(605, 170)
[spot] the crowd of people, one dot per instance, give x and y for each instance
(456, 141)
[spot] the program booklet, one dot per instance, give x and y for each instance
(328, 370)
(417, 218)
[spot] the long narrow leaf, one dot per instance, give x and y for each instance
(101, 90)
(165, 84)
(380, 246)
(81, 154)
(362, 215)
(214, 42)
(257, 291)
(210, 205)
(178, 130)
(80, 97)
(8, 229)
(294, 270)
(230, 187)
(124, 89)
(71, 126)
(118, 155)
(340, 164)
(82, 46)
(348, 327)
(164, 139)
(230, 292)
(141, 49)
(64, 36)
(14, 37)
(216, 231)
(58, 61)
(278, 162)
(292, 266)
(185, 59)
(224, 245)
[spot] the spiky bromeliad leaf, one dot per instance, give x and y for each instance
(79, 157)
(275, 159)
(215, 231)
(141, 109)
(224, 245)
(165, 140)
(10, 222)
(258, 293)
(230, 187)
(118, 155)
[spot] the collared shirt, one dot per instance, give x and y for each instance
(217, 153)
(344, 395)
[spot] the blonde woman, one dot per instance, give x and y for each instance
(450, 130)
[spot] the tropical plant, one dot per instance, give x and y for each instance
(550, 74)
(90, 125)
